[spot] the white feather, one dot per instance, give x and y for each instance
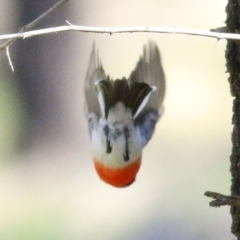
(144, 102)
(100, 98)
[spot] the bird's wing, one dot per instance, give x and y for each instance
(149, 70)
(95, 73)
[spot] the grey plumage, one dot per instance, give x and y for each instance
(136, 93)
(149, 70)
(95, 73)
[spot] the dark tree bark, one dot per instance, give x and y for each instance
(233, 68)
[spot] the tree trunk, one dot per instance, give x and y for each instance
(233, 68)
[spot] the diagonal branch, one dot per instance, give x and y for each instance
(34, 23)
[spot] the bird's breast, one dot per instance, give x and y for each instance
(118, 177)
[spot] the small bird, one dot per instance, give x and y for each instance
(122, 115)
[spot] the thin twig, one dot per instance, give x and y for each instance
(9, 59)
(34, 23)
(108, 30)
(222, 200)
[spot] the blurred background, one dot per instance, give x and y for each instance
(48, 185)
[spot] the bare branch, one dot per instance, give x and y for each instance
(109, 30)
(222, 200)
(34, 23)
(9, 59)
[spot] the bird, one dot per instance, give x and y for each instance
(122, 114)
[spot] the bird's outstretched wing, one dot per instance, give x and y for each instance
(149, 70)
(95, 73)
(136, 93)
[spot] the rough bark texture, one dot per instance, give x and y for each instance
(233, 68)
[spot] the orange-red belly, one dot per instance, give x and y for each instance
(118, 177)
